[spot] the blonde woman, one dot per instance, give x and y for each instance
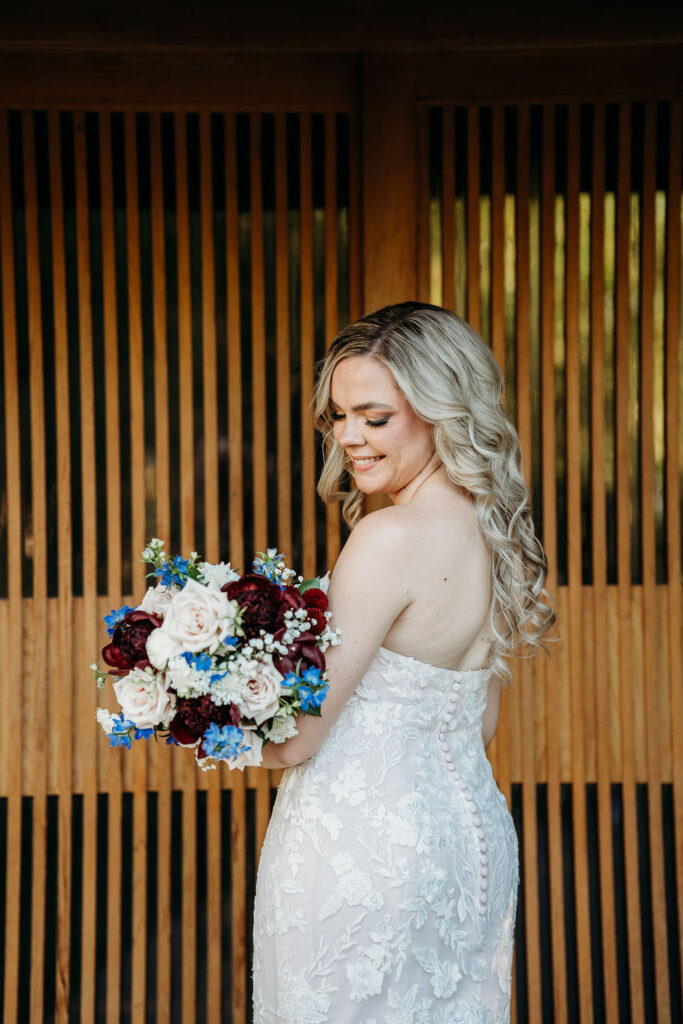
(387, 883)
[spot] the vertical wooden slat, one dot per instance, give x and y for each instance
(623, 220)
(424, 206)
(186, 415)
(550, 545)
(308, 493)
(282, 340)
(163, 529)
(603, 709)
(210, 409)
(137, 497)
(89, 632)
(673, 535)
(526, 687)
(210, 397)
(331, 298)
(258, 343)
(575, 594)
(13, 670)
(111, 398)
(473, 194)
(63, 711)
(234, 321)
(238, 902)
(647, 498)
(34, 702)
(448, 208)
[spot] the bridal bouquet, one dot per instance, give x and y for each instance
(214, 660)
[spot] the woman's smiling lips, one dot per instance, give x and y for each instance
(366, 461)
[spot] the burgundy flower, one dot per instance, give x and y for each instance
(315, 598)
(194, 715)
(260, 598)
(128, 643)
(304, 650)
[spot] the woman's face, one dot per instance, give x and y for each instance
(375, 423)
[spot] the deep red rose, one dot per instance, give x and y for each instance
(315, 598)
(317, 620)
(194, 715)
(261, 599)
(304, 648)
(128, 643)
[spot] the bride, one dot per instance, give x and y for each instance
(387, 883)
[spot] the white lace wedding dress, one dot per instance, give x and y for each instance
(387, 884)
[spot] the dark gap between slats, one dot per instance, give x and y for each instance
(646, 924)
(76, 907)
(594, 904)
(545, 927)
(51, 867)
(18, 228)
(202, 940)
(25, 907)
(344, 171)
(319, 329)
(621, 917)
(569, 885)
(226, 907)
(522, 996)
(102, 883)
(126, 981)
(176, 905)
(670, 888)
(94, 207)
(152, 937)
(250, 825)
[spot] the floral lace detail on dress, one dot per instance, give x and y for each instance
(387, 883)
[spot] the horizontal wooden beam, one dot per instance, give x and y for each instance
(349, 25)
(88, 80)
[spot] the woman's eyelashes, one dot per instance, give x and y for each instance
(369, 423)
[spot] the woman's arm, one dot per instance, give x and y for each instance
(367, 592)
(490, 718)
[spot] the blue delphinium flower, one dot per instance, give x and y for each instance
(173, 571)
(311, 698)
(115, 616)
(223, 743)
(291, 679)
(201, 662)
(143, 734)
(121, 729)
(171, 741)
(312, 676)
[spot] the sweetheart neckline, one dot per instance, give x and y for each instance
(438, 668)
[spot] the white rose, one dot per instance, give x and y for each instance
(157, 600)
(144, 699)
(217, 575)
(261, 691)
(199, 617)
(160, 648)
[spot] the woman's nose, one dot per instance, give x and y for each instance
(350, 433)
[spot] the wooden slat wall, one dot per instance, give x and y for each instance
(161, 330)
(168, 282)
(608, 700)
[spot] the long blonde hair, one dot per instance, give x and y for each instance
(449, 376)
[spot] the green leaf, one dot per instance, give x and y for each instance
(308, 584)
(313, 711)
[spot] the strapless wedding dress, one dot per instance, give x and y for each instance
(387, 883)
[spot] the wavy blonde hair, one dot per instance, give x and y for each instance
(450, 378)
